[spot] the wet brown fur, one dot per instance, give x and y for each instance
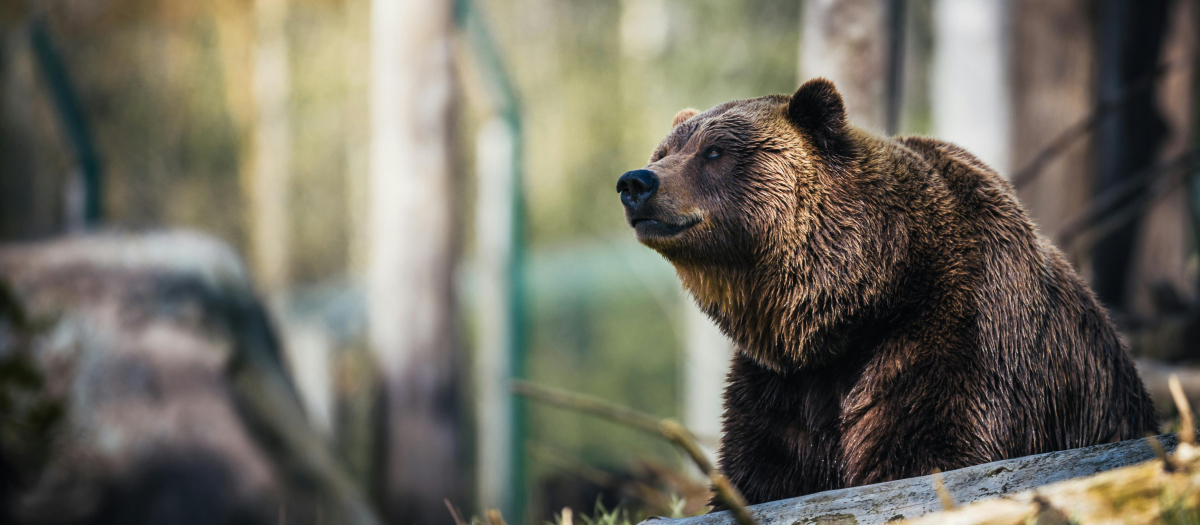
(894, 309)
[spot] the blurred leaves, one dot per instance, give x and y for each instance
(600, 109)
(29, 414)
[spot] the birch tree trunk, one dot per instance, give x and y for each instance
(411, 260)
(269, 177)
(844, 41)
(970, 85)
(709, 354)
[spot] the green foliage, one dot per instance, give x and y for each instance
(1177, 510)
(600, 83)
(29, 415)
(602, 516)
(597, 103)
(676, 508)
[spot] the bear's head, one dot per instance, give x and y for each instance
(766, 209)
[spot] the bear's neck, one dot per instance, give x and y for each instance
(768, 317)
(781, 323)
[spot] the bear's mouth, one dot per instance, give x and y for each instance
(648, 227)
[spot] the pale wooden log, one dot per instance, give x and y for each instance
(914, 497)
(1144, 493)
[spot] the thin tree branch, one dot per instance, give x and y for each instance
(1120, 203)
(666, 428)
(1082, 128)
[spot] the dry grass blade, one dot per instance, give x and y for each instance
(567, 518)
(589, 404)
(1064, 140)
(1187, 430)
(939, 486)
(454, 512)
(683, 437)
(666, 428)
(1168, 464)
(494, 517)
(732, 498)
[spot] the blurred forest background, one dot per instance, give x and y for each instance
(423, 191)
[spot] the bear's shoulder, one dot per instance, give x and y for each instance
(972, 182)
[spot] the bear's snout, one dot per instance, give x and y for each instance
(636, 187)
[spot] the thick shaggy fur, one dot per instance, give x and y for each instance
(894, 309)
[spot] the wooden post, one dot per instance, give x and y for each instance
(493, 364)
(500, 237)
(412, 259)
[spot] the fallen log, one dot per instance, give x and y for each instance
(915, 497)
(1146, 493)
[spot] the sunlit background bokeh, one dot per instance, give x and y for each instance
(265, 123)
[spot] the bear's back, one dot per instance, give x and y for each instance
(1052, 347)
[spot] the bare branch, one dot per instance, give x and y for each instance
(666, 428)
(1187, 430)
(1069, 136)
(1121, 203)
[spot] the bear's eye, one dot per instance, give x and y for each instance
(713, 153)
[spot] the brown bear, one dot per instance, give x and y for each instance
(894, 309)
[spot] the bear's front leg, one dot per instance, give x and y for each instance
(781, 432)
(909, 418)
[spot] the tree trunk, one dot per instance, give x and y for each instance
(1130, 137)
(970, 78)
(412, 259)
(268, 185)
(841, 40)
(1053, 67)
(1162, 247)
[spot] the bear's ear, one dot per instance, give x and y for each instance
(683, 115)
(817, 109)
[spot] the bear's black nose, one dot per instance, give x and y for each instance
(636, 187)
